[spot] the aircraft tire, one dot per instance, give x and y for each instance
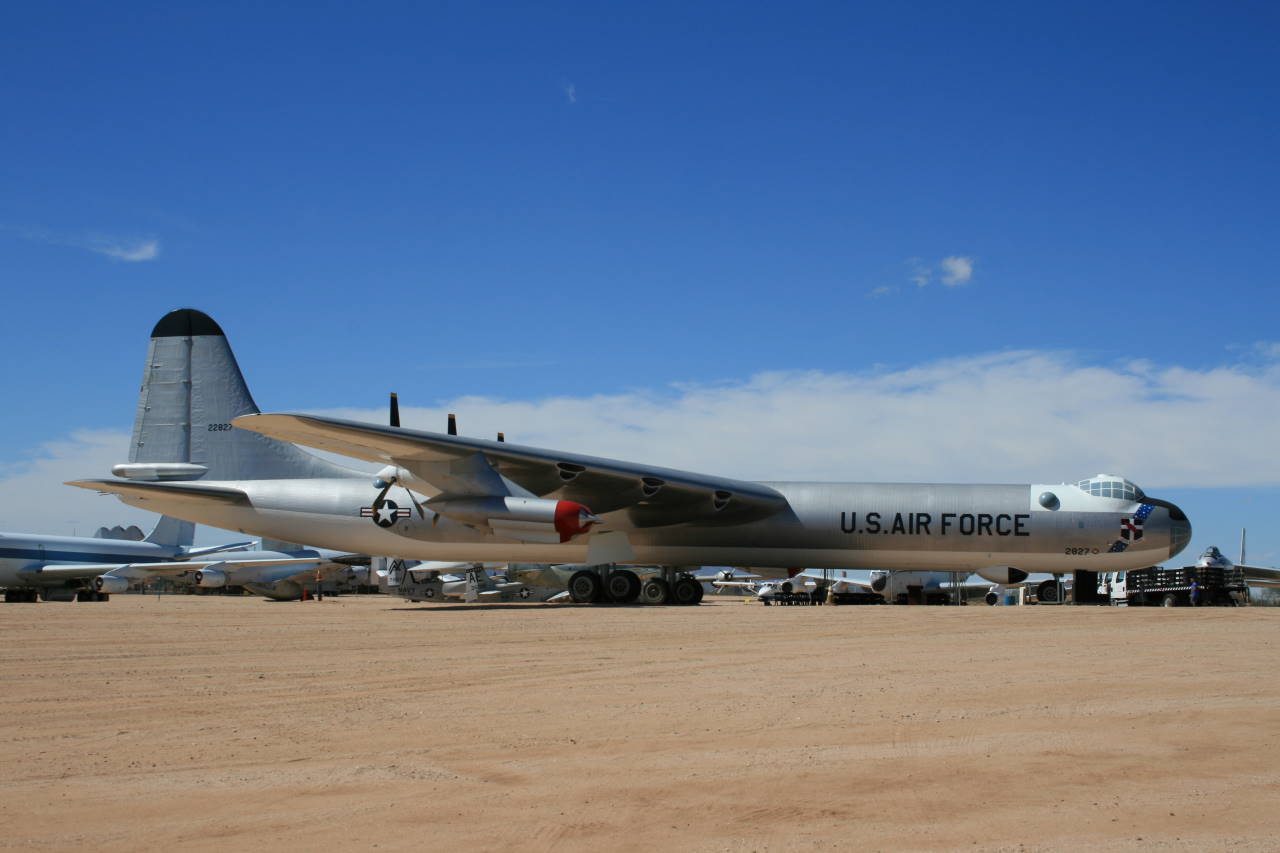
(701, 592)
(622, 586)
(85, 595)
(102, 596)
(655, 591)
(685, 591)
(9, 596)
(584, 586)
(1169, 600)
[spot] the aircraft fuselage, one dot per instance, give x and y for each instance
(22, 555)
(889, 526)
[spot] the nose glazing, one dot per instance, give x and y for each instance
(1179, 530)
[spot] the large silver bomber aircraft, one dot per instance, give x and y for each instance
(449, 497)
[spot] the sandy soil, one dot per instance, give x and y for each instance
(367, 723)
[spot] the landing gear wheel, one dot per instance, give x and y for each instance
(685, 591)
(584, 586)
(701, 592)
(1169, 600)
(85, 595)
(622, 586)
(655, 591)
(102, 596)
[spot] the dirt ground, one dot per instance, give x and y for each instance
(361, 723)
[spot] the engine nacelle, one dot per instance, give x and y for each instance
(879, 580)
(522, 519)
(107, 583)
(1002, 574)
(211, 578)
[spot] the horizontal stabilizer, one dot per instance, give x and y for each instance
(170, 492)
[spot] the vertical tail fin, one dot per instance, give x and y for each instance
(191, 390)
(172, 531)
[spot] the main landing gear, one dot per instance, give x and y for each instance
(607, 585)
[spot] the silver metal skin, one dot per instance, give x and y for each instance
(259, 483)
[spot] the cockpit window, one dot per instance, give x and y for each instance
(1111, 486)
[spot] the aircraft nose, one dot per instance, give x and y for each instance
(1179, 530)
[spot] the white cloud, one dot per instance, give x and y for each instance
(953, 271)
(33, 498)
(881, 291)
(956, 270)
(571, 93)
(112, 247)
(920, 272)
(147, 250)
(1005, 417)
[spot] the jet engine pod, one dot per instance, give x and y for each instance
(210, 578)
(879, 580)
(1002, 574)
(108, 583)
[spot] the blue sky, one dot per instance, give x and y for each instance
(548, 205)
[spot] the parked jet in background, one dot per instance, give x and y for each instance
(448, 497)
(469, 582)
(82, 568)
(1253, 575)
(910, 587)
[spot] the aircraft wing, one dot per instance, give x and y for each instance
(1259, 576)
(61, 572)
(463, 466)
(744, 586)
(863, 585)
(142, 571)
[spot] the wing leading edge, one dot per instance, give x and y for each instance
(459, 465)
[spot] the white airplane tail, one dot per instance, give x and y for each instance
(192, 388)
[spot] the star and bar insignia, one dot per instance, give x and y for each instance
(385, 514)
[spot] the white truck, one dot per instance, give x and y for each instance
(1159, 587)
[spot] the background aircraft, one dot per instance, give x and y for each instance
(81, 568)
(469, 582)
(905, 587)
(448, 497)
(1253, 575)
